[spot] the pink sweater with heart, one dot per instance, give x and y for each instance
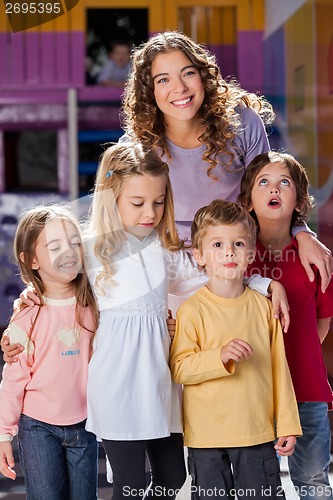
(49, 382)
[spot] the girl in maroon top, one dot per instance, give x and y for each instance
(275, 190)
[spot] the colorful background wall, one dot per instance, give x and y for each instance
(53, 119)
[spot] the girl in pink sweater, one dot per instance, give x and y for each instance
(43, 396)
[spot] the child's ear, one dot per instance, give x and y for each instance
(251, 256)
(198, 257)
(34, 264)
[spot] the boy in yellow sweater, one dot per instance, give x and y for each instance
(228, 352)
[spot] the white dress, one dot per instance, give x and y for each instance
(130, 392)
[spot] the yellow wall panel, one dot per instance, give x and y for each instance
(116, 4)
(202, 25)
(251, 15)
(4, 23)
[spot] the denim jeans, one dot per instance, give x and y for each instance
(58, 462)
(310, 461)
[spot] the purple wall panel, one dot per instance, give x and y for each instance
(78, 54)
(47, 58)
(62, 58)
(226, 56)
(250, 60)
(274, 64)
(2, 163)
(4, 66)
(17, 56)
(275, 71)
(42, 59)
(33, 60)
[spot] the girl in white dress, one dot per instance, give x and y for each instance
(134, 259)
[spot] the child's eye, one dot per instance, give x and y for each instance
(239, 244)
(218, 244)
(159, 202)
(285, 182)
(263, 182)
(162, 80)
(76, 244)
(137, 204)
(54, 249)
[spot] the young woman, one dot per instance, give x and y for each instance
(207, 129)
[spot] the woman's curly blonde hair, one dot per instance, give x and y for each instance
(142, 118)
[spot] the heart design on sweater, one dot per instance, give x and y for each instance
(68, 336)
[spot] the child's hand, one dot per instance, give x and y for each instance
(280, 304)
(171, 324)
(10, 350)
(285, 445)
(237, 350)
(7, 460)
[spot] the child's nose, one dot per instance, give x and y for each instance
(69, 249)
(150, 212)
(275, 190)
(229, 251)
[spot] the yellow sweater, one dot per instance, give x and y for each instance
(237, 405)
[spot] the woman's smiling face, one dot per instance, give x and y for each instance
(178, 88)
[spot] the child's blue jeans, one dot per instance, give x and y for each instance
(309, 464)
(58, 462)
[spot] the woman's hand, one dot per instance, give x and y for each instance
(280, 304)
(10, 350)
(29, 296)
(312, 251)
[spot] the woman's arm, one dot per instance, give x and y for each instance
(312, 251)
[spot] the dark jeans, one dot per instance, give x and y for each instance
(248, 472)
(128, 463)
(58, 462)
(310, 462)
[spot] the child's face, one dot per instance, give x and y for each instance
(178, 89)
(273, 194)
(120, 55)
(58, 254)
(226, 252)
(141, 204)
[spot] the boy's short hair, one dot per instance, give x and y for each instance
(221, 212)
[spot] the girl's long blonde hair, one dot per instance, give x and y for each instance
(143, 119)
(117, 164)
(28, 230)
